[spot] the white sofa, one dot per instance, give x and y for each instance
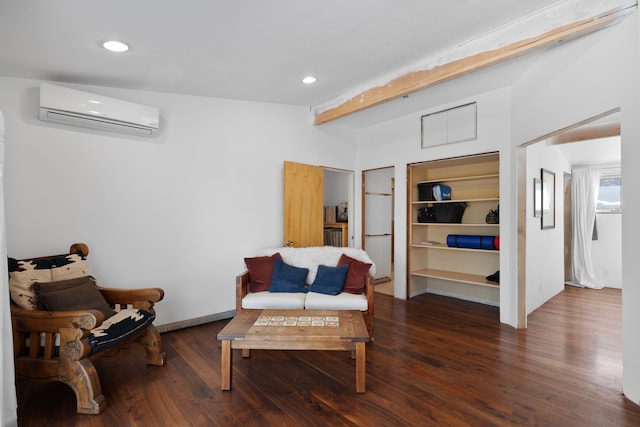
(310, 258)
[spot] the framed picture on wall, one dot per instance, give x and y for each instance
(548, 199)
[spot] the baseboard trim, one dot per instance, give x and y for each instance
(195, 322)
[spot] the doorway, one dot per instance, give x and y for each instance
(338, 197)
(535, 247)
(605, 236)
(378, 187)
(309, 191)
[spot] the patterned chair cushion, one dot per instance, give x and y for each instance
(24, 273)
(119, 327)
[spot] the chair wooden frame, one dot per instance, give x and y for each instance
(73, 363)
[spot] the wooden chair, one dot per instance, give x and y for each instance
(70, 360)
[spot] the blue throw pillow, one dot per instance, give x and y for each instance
(287, 278)
(329, 280)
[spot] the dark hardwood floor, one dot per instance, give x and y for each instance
(435, 361)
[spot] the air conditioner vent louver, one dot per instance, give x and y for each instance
(77, 108)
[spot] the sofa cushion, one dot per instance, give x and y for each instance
(274, 300)
(356, 276)
(74, 294)
(287, 278)
(329, 280)
(260, 271)
(118, 328)
(342, 301)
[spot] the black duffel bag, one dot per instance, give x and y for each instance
(426, 214)
(449, 212)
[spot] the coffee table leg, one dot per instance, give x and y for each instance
(225, 364)
(360, 367)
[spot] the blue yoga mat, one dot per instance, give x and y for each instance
(471, 241)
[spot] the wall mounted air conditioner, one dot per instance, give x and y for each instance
(77, 108)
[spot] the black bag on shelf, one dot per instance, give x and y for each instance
(425, 191)
(449, 212)
(426, 214)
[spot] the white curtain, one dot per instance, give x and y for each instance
(585, 184)
(8, 410)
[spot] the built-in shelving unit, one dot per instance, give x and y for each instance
(433, 266)
(336, 234)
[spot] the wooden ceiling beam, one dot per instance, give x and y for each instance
(596, 131)
(600, 126)
(422, 79)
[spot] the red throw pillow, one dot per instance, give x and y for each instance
(355, 280)
(260, 271)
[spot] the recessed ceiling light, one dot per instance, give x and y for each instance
(115, 46)
(309, 80)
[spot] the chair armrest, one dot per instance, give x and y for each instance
(242, 289)
(369, 291)
(53, 321)
(38, 326)
(143, 299)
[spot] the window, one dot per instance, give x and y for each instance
(609, 196)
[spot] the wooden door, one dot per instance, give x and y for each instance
(303, 205)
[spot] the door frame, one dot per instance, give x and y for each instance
(350, 175)
(363, 212)
(575, 132)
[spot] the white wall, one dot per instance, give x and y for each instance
(544, 248)
(550, 90)
(397, 143)
(179, 211)
(569, 84)
(606, 252)
(336, 187)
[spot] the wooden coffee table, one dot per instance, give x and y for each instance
(295, 330)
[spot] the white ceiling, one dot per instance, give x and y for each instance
(243, 49)
(602, 151)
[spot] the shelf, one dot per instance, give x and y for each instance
(424, 202)
(459, 272)
(453, 276)
(461, 178)
(457, 224)
(336, 232)
(450, 248)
